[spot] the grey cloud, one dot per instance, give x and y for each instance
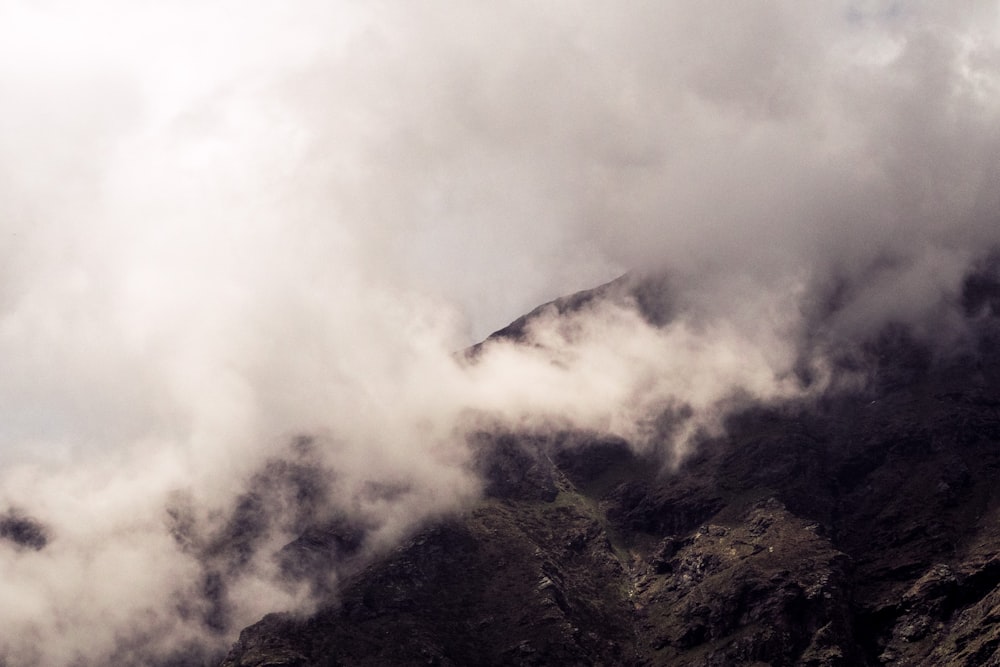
(223, 225)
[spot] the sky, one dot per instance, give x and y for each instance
(225, 225)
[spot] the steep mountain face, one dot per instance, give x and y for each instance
(859, 529)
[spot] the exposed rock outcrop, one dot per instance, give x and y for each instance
(861, 529)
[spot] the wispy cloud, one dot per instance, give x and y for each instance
(224, 225)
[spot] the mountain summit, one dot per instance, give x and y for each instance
(858, 527)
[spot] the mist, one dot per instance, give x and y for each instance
(244, 241)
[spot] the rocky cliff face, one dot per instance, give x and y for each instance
(860, 529)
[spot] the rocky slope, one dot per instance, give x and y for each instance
(861, 529)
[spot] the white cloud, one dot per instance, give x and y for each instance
(224, 224)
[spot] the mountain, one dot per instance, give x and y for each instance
(858, 528)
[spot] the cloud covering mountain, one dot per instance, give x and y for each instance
(226, 225)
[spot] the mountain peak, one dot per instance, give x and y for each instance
(859, 529)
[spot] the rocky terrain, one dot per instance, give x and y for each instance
(859, 529)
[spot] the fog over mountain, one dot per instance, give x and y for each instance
(244, 245)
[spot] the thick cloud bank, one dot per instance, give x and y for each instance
(241, 246)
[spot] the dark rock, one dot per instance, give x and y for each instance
(514, 468)
(859, 529)
(23, 531)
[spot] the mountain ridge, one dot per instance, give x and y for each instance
(860, 528)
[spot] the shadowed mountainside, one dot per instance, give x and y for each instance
(859, 529)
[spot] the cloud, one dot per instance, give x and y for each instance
(227, 225)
